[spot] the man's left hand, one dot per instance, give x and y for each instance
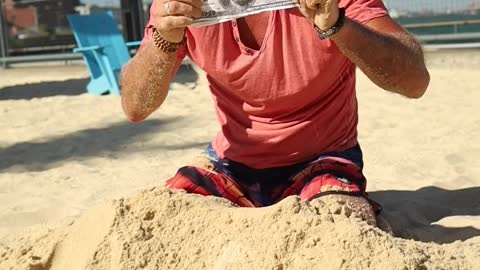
(323, 13)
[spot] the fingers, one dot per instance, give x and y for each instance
(195, 3)
(301, 3)
(178, 14)
(178, 8)
(190, 8)
(307, 12)
(172, 22)
(314, 4)
(171, 17)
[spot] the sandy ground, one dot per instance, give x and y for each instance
(63, 151)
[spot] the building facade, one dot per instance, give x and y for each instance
(41, 26)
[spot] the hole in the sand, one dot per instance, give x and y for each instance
(347, 211)
(149, 215)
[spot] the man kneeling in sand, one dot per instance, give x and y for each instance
(283, 85)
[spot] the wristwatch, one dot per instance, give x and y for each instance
(324, 34)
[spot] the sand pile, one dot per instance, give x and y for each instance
(158, 229)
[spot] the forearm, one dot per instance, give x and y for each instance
(145, 81)
(394, 61)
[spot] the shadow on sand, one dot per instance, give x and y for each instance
(412, 213)
(96, 142)
(44, 89)
(185, 75)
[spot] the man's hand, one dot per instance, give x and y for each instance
(402, 72)
(171, 17)
(323, 13)
(147, 76)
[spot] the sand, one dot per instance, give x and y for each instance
(65, 154)
(163, 230)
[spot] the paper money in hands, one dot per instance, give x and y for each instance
(218, 11)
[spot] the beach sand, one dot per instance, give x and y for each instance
(65, 154)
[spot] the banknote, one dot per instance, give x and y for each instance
(218, 11)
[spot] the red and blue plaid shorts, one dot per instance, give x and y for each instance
(249, 187)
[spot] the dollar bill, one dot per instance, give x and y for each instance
(218, 11)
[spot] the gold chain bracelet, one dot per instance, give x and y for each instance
(165, 45)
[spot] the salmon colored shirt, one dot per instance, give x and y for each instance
(289, 101)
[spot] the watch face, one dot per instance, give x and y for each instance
(233, 6)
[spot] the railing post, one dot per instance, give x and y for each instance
(3, 37)
(133, 19)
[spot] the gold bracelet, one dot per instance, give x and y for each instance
(165, 45)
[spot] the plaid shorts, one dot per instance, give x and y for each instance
(339, 173)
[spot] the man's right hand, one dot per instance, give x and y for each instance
(171, 17)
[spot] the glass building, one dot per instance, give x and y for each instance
(30, 27)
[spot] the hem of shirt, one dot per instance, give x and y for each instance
(252, 164)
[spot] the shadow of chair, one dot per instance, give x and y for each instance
(103, 48)
(414, 214)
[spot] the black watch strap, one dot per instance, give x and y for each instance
(335, 28)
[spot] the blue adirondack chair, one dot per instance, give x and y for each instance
(103, 48)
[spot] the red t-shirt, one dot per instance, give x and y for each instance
(289, 101)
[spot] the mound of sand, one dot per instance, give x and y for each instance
(159, 229)
(58, 159)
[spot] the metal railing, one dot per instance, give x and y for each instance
(453, 40)
(59, 45)
(454, 35)
(455, 24)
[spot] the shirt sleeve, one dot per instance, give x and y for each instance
(364, 11)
